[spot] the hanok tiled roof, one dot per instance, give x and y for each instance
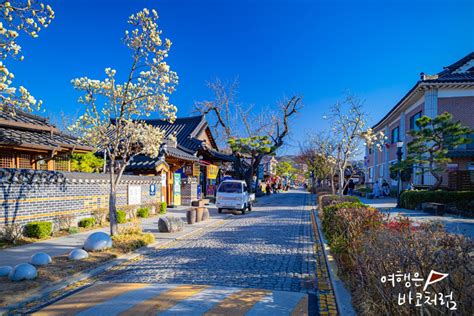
(31, 131)
(450, 75)
(142, 162)
(185, 129)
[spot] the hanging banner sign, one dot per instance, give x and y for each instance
(212, 171)
(177, 189)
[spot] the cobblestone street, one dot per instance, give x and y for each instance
(270, 248)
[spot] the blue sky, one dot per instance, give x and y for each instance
(319, 49)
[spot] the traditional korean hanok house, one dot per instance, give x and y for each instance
(29, 141)
(189, 162)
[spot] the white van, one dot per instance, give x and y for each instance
(234, 195)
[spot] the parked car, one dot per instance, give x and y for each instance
(234, 195)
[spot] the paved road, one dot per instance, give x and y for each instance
(63, 245)
(260, 263)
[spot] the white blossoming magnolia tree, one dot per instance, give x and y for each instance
(16, 17)
(349, 130)
(111, 121)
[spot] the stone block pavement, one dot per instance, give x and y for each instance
(267, 262)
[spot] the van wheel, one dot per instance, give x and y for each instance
(219, 210)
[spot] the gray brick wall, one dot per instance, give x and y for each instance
(30, 195)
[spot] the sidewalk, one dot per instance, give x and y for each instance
(63, 245)
(453, 223)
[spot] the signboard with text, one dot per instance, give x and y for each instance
(177, 189)
(212, 171)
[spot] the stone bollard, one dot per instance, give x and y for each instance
(191, 216)
(205, 214)
(199, 213)
(98, 241)
(170, 224)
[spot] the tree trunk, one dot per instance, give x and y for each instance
(439, 181)
(333, 185)
(113, 211)
(342, 177)
(438, 177)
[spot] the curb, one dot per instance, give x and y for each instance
(81, 278)
(343, 298)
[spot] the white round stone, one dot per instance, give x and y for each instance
(40, 259)
(23, 271)
(78, 254)
(5, 271)
(97, 241)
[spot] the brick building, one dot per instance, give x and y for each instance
(451, 90)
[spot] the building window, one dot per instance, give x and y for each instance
(380, 170)
(24, 161)
(61, 163)
(413, 120)
(41, 163)
(6, 160)
(371, 173)
(370, 150)
(395, 135)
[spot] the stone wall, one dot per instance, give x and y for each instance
(188, 193)
(33, 195)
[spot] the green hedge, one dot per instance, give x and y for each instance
(343, 223)
(163, 207)
(328, 199)
(143, 212)
(38, 229)
(87, 222)
(121, 216)
(463, 200)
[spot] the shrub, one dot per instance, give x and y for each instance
(461, 199)
(163, 207)
(87, 222)
(130, 211)
(38, 229)
(11, 233)
(73, 230)
(121, 217)
(328, 199)
(411, 251)
(131, 237)
(344, 223)
(100, 215)
(65, 221)
(143, 212)
(366, 248)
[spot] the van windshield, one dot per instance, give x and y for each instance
(230, 187)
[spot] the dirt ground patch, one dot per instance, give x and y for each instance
(58, 270)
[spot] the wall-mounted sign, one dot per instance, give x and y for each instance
(152, 189)
(134, 195)
(212, 171)
(177, 189)
(188, 170)
(196, 170)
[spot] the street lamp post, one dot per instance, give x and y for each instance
(399, 156)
